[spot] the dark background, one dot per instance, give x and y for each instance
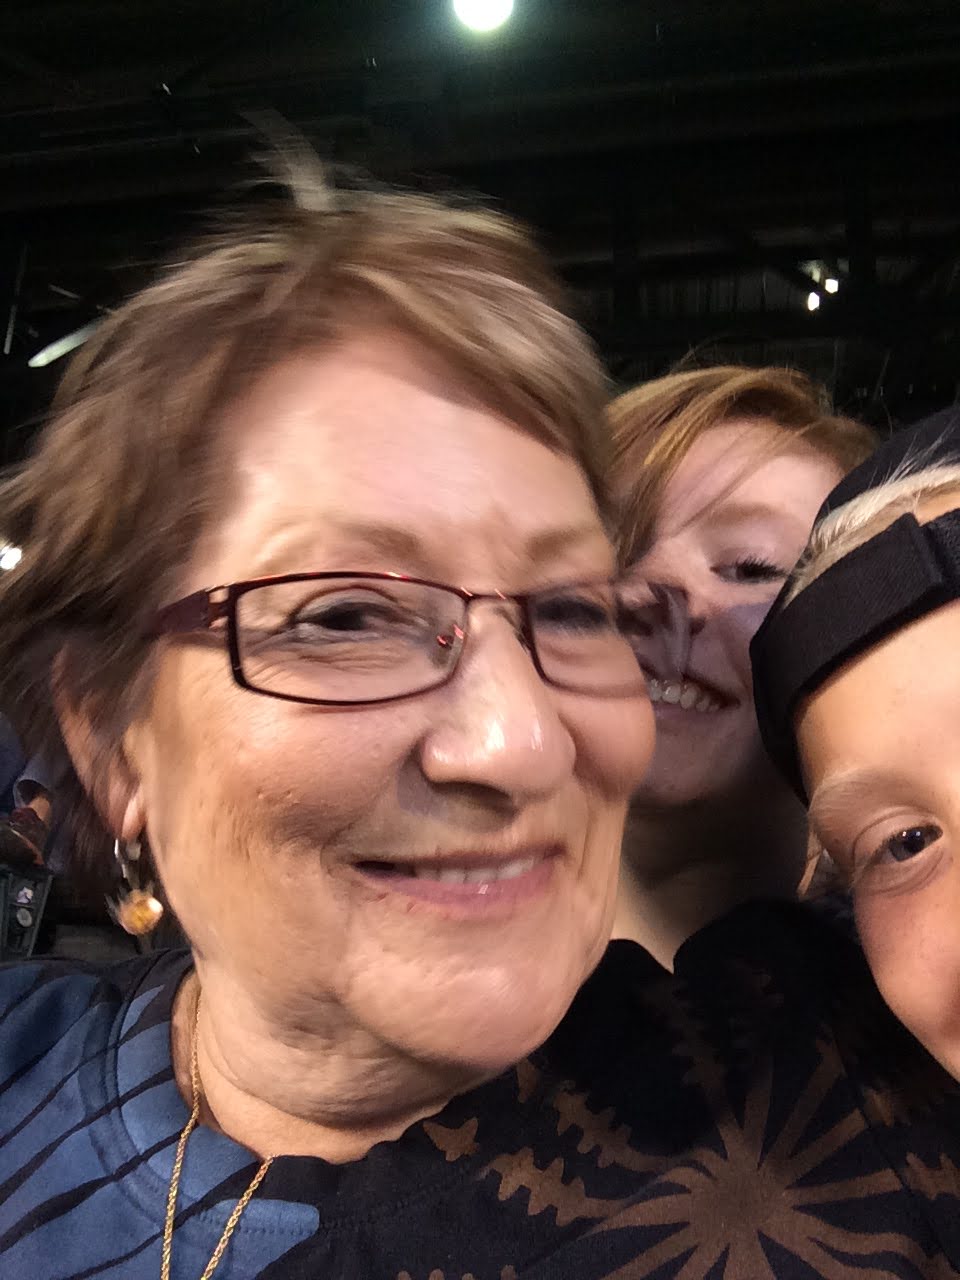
(685, 162)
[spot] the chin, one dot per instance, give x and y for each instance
(492, 1044)
(665, 790)
(687, 773)
(487, 1022)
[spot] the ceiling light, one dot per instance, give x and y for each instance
(813, 301)
(63, 346)
(831, 285)
(10, 557)
(483, 15)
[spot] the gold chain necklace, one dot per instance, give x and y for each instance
(188, 1128)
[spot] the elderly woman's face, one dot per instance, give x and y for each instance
(302, 847)
(880, 745)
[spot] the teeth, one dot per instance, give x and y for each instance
(475, 875)
(518, 867)
(686, 694)
(430, 871)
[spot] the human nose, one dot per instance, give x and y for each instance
(685, 598)
(500, 727)
(657, 619)
(681, 568)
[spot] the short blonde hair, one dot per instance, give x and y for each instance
(869, 513)
(656, 424)
(125, 476)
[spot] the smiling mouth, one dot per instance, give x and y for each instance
(686, 695)
(444, 872)
(471, 881)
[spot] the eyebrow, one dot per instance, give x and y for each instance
(733, 512)
(382, 539)
(400, 545)
(835, 796)
(554, 542)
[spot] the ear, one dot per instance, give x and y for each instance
(97, 746)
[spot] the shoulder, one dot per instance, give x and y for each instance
(758, 959)
(801, 949)
(798, 972)
(622, 1027)
(48, 1004)
(620, 991)
(772, 982)
(790, 984)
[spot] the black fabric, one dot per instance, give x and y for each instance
(935, 441)
(900, 574)
(892, 579)
(759, 1115)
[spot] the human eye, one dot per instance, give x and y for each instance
(905, 845)
(575, 609)
(351, 615)
(897, 859)
(751, 570)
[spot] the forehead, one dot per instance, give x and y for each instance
(376, 432)
(931, 508)
(747, 463)
(893, 709)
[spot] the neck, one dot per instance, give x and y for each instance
(683, 867)
(280, 1087)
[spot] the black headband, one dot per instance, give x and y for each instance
(897, 576)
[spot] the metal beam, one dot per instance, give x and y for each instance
(14, 270)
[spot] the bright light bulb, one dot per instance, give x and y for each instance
(813, 301)
(483, 15)
(10, 557)
(831, 285)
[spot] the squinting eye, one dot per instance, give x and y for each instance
(907, 844)
(573, 613)
(750, 569)
(352, 616)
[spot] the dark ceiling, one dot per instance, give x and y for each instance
(691, 165)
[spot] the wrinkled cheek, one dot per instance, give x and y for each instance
(200, 786)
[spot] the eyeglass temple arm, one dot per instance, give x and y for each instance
(196, 612)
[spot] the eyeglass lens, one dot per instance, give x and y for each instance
(356, 640)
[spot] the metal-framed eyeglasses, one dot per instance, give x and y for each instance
(348, 639)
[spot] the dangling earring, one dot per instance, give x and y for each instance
(136, 908)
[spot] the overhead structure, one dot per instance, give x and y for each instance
(686, 163)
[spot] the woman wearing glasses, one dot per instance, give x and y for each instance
(316, 594)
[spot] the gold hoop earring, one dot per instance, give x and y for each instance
(136, 908)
